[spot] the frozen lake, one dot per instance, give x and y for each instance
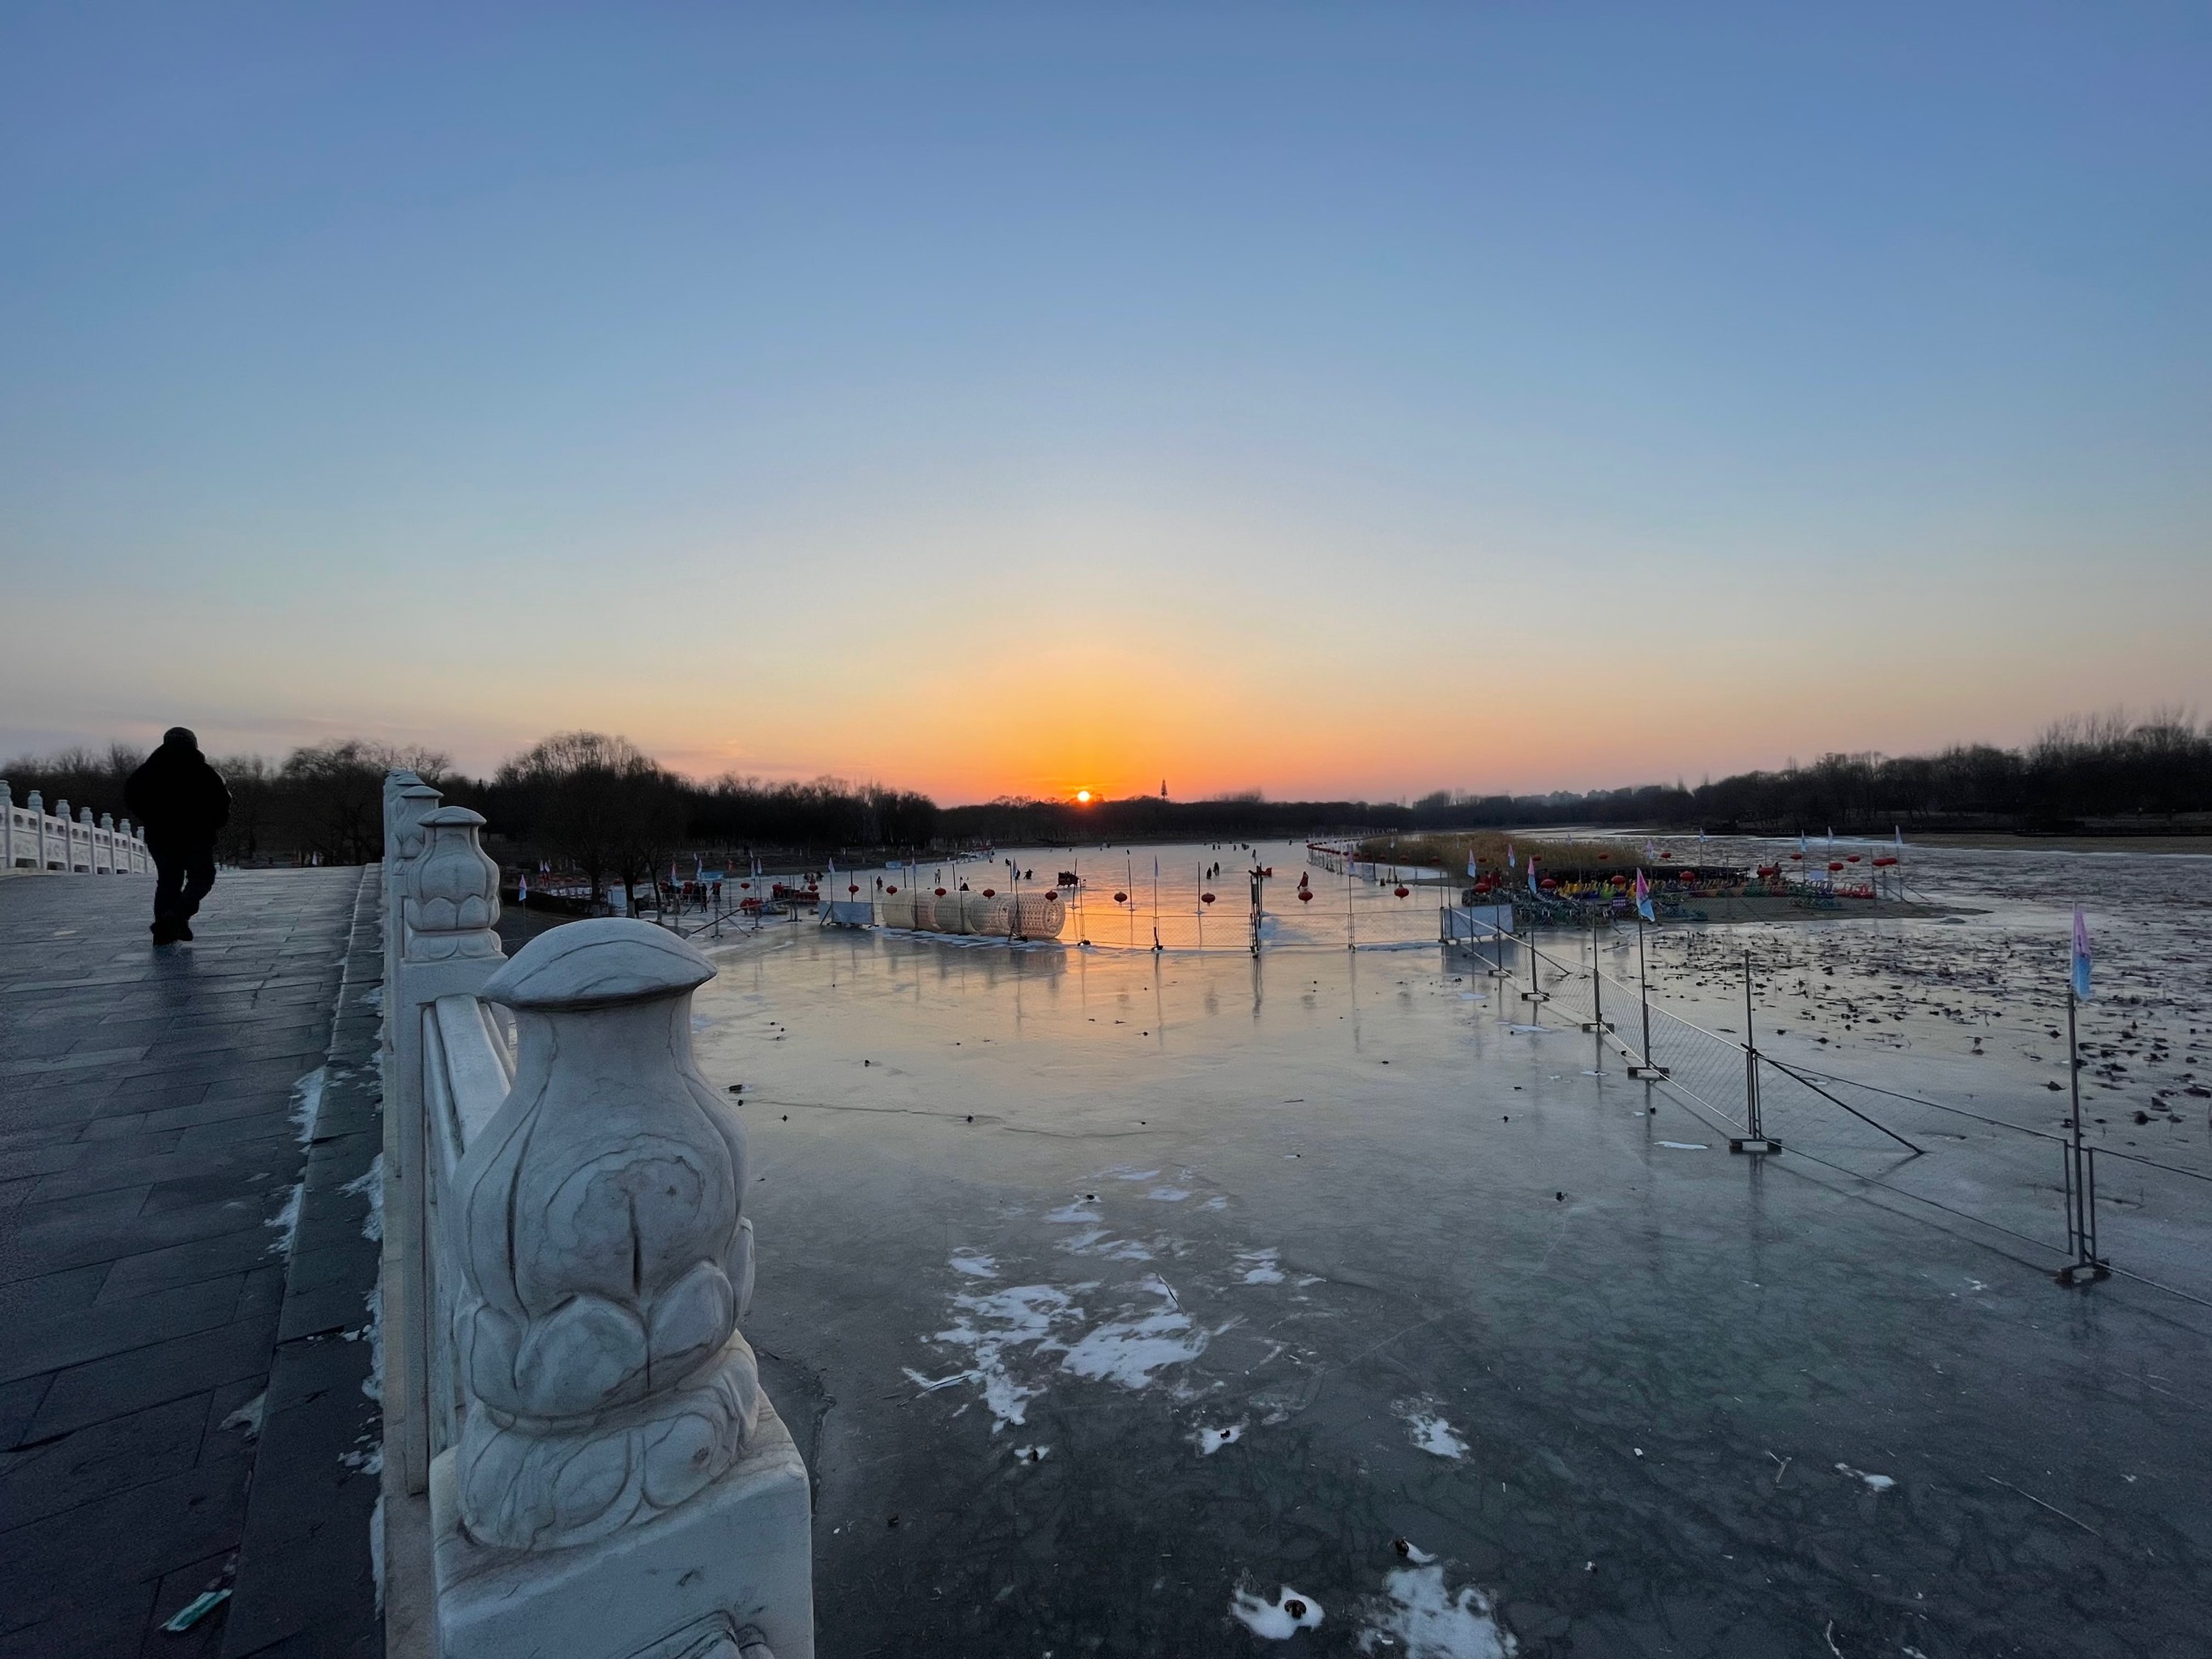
(1112, 1293)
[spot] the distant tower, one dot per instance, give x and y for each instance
(1164, 788)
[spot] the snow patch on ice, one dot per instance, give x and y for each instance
(1210, 1441)
(1687, 1146)
(1129, 1349)
(1078, 1215)
(1260, 1266)
(1876, 1482)
(1217, 1202)
(1430, 1432)
(995, 1327)
(973, 1263)
(1169, 1194)
(1421, 1619)
(1280, 1620)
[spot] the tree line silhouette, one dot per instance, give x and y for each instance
(602, 805)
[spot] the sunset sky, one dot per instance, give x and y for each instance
(1322, 399)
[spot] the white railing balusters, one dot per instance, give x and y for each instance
(606, 1478)
(32, 838)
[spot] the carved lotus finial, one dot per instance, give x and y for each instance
(452, 891)
(600, 1227)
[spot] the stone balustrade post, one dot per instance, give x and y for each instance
(447, 945)
(37, 807)
(7, 826)
(621, 1487)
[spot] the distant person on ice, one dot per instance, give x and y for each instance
(180, 801)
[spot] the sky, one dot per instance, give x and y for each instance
(1328, 400)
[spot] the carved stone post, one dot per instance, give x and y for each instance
(7, 826)
(447, 946)
(621, 1486)
(599, 1226)
(38, 809)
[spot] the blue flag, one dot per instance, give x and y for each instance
(1644, 898)
(2079, 967)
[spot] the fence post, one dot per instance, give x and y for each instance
(2086, 1265)
(7, 826)
(1532, 994)
(1645, 1069)
(1596, 1021)
(1754, 1138)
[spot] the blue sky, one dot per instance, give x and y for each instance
(1322, 399)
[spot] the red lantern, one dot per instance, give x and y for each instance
(940, 892)
(1402, 892)
(1883, 864)
(1547, 884)
(1852, 859)
(1666, 855)
(1834, 866)
(890, 890)
(990, 892)
(1794, 857)
(1205, 898)
(1121, 898)
(1305, 894)
(852, 886)
(1605, 855)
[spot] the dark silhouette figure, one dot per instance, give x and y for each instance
(180, 801)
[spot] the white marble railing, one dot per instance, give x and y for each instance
(32, 838)
(566, 1261)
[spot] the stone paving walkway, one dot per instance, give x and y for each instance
(147, 1148)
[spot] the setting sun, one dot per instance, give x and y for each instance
(1083, 796)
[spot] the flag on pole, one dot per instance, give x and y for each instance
(1900, 829)
(1470, 867)
(2079, 967)
(522, 890)
(1509, 855)
(1532, 872)
(1643, 897)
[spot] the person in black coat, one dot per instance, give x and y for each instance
(180, 801)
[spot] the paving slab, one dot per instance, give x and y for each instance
(147, 1107)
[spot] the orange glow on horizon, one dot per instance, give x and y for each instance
(1083, 796)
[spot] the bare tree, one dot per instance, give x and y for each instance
(601, 802)
(336, 789)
